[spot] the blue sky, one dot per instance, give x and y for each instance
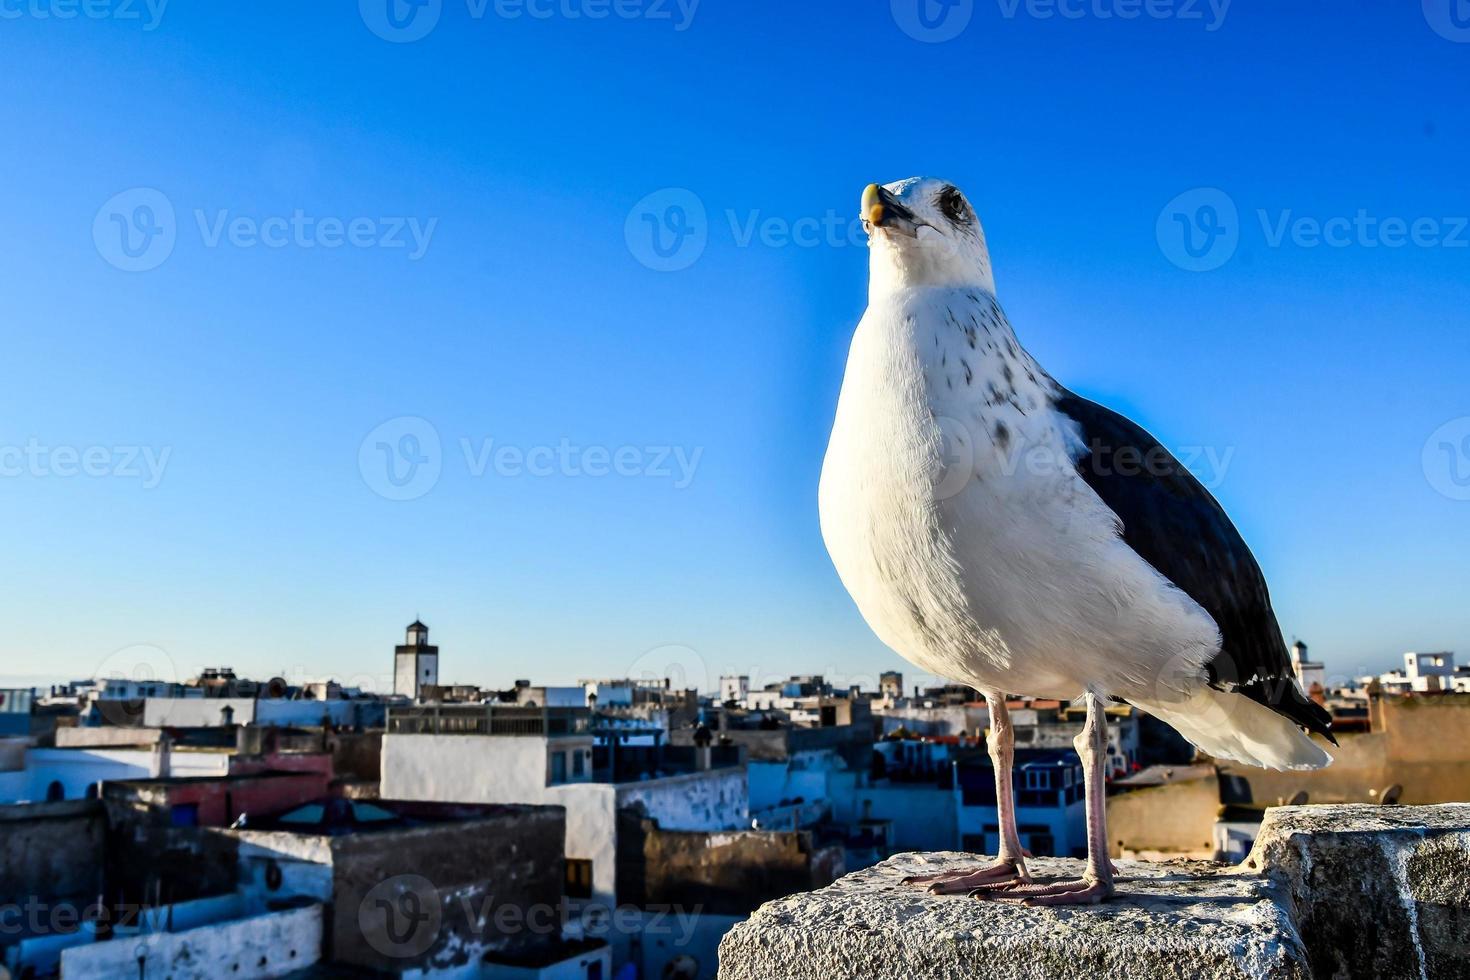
(375, 244)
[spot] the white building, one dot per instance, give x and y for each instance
(933, 720)
(127, 689)
(734, 687)
(546, 758)
(609, 694)
(552, 697)
(283, 712)
(32, 775)
(1308, 672)
(1423, 673)
(1430, 671)
(890, 684)
(415, 662)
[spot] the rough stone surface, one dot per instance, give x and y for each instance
(1380, 892)
(1329, 892)
(1180, 919)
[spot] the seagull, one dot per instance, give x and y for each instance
(999, 530)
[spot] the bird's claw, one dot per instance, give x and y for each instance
(1081, 892)
(956, 882)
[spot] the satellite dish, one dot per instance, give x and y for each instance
(1390, 796)
(276, 688)
(1299, 799)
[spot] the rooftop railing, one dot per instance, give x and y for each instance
(487, 719)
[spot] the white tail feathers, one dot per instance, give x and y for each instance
(1232, 726)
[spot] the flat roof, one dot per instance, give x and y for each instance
(1164, 775)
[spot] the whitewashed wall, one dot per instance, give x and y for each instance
(591, 831)
(713, 800)
(208, 712)
(196, 712)
(270, 945)
(467, 768)
(77, 769)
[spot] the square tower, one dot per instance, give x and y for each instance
(415, 662)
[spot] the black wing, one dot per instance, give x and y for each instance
(1174, 524)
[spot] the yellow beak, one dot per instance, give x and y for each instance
(880, 209)
(872, 208)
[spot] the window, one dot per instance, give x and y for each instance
(578, 878)
(1038, 779)
(55, 792)
(559, 767)
(1041, 842)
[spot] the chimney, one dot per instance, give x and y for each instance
(162, 756)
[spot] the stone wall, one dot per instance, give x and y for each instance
(52, 851)
(357, 755)
(1381, 892)
(1417, 742)
(453, 891)
(1174, 819)
(148, 860)
(725, 873)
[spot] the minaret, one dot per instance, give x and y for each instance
(1298, 656)
(415, 663)
(1308, 672)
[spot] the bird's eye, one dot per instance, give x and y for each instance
(953, 205)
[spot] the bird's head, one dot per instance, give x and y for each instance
(923, 232)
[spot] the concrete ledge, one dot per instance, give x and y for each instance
(1328, 892)
(1181, 919)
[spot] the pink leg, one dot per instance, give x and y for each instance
(1010, 864)
(1096, 884)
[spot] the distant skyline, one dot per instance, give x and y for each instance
(316, 320)
(682, 665)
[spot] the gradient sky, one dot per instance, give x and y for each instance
(537, 316)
